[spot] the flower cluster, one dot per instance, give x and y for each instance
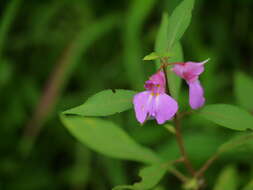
(154, 103)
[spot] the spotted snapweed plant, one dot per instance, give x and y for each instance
(161, 100)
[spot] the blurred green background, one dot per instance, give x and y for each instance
(54, 54)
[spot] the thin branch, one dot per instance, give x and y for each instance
(180, 142)
(179, 138)
(181, 159)
(207, 164)
(178, 174)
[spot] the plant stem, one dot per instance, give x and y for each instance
(180, 142)
(207, 164)
(178, 174)
(179, 138)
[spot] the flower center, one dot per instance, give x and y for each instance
(155, 93)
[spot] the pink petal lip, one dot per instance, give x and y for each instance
(189, 71)
(154, 103)
(165, 108)
(196, 95)
(142, 104)
(148, 105)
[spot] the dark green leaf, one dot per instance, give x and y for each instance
(228, 116)
(107, 138)
(105, 103)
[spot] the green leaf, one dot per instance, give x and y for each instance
(151, 56)
(228, 116)
(105, 103)
(150, 177)
(173, 28)
(107, 138)
(228, 179)
(155, 55)
(244, 90)
(161, 44)
(236, 142)
(179, 21)
(173, 80)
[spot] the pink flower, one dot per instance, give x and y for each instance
(190, 71)
(154, 102)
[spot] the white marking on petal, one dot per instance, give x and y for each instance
(149, 99)
(203, 62)
(157, 101)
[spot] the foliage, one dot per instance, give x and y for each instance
(55, 55)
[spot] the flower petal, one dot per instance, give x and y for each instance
(189, 71)
(165, 108)
(194, 68)
(196, 95)
(179, 69)
(142, 102)
(156, 83)
(158, 78)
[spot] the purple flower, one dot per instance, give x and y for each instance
(190, 71)
(154, 102)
